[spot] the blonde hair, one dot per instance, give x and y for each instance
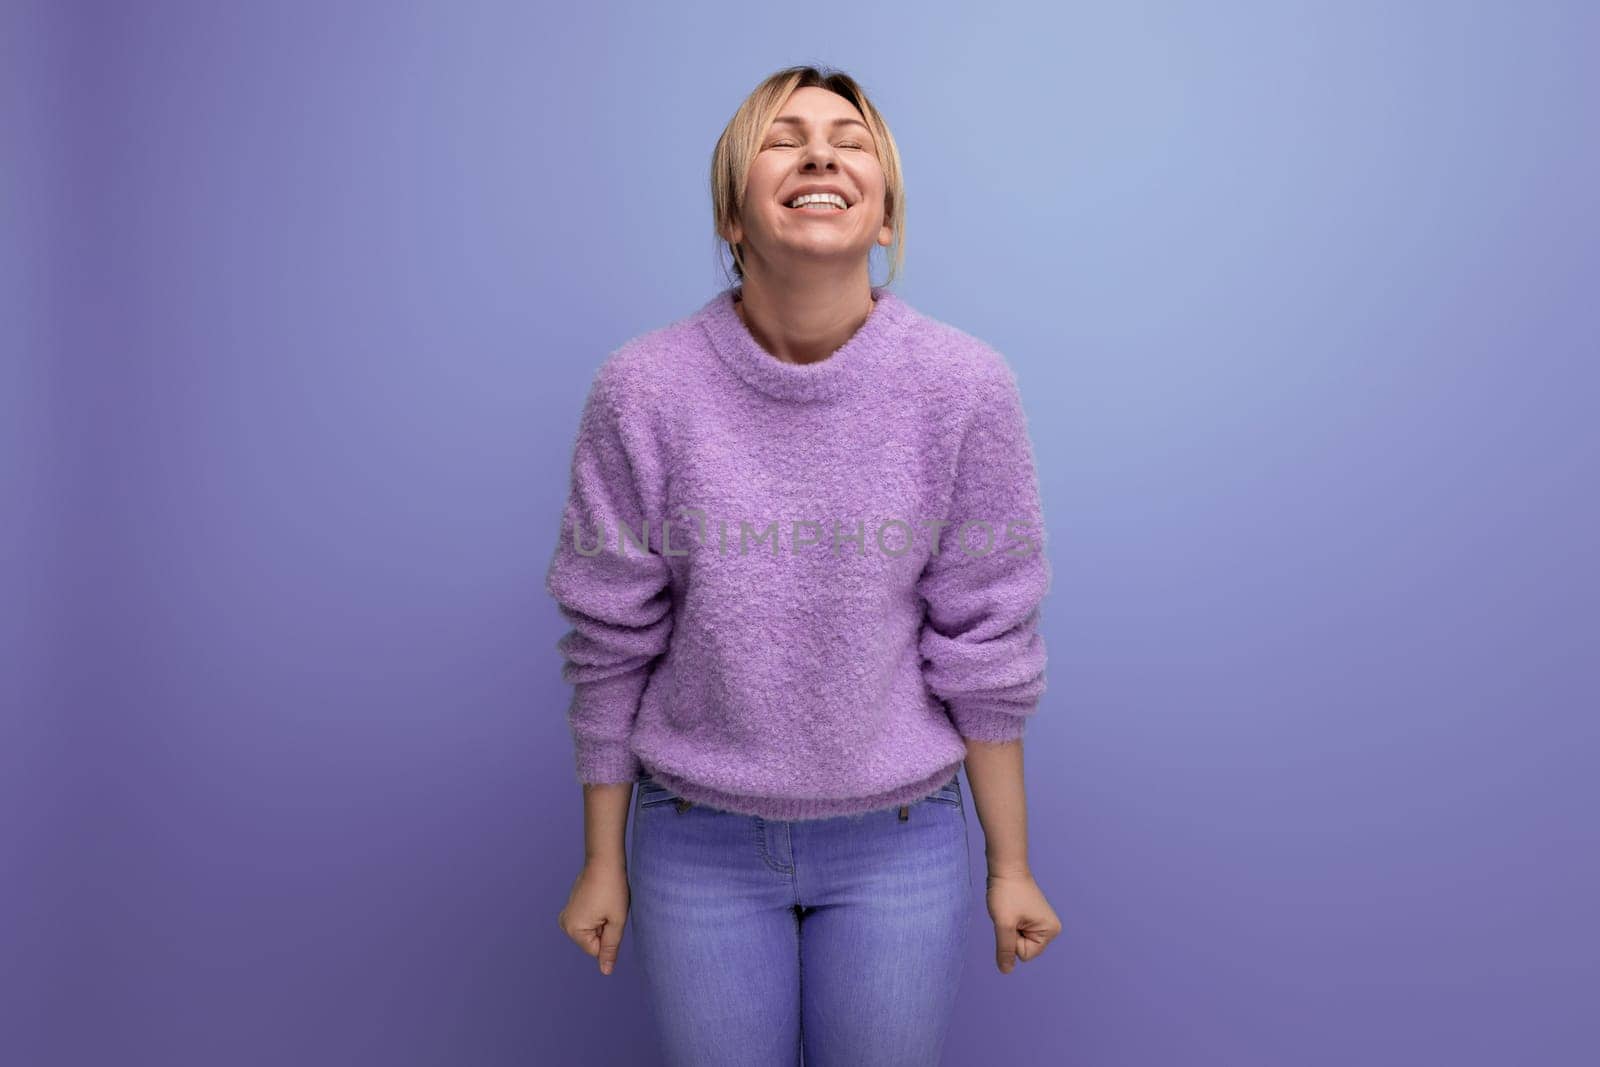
(741, 141)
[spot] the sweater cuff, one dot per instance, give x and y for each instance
(605, 762)
(601, 720)
(978, 721)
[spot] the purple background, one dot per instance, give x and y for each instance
(1302, 298)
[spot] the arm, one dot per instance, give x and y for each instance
(982, 651)
(994, 771)
(618, 602)
(1024, 921)
(615, 595)
(983, 654)
(597, 906)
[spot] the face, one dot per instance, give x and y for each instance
(819, 140)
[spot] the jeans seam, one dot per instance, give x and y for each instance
(761, 844)
(800, 983)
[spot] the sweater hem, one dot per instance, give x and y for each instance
(801, 808)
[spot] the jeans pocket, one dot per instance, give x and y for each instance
(652, 792)
(949, 793)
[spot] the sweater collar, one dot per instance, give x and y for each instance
(825, 379)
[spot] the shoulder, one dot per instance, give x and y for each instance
(639, 376)
(954, 367)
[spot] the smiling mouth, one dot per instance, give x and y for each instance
(820, 208)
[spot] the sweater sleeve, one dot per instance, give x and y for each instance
(981, 649)
(617, 600)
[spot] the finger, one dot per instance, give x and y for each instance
(610, 943)
(1005, 949)
(1037, 940)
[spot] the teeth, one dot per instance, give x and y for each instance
(819, 198)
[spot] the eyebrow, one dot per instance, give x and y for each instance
(794, 120)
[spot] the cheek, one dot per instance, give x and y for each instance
(869, 179)
(760, 198)
(763, 179)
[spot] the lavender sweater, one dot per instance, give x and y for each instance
(772, 609)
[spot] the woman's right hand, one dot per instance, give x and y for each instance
(597, 909)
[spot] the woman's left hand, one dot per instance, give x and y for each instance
(1024, 921)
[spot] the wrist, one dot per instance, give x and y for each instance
(605, 861)
(1012, 868)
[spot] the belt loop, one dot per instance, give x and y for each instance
(684, 805)
(905, 812)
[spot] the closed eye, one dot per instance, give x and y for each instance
(791, 144)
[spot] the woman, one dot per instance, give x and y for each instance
(803, 562)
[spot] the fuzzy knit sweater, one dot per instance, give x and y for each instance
(797, 590)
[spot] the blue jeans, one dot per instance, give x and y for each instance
(758, 939)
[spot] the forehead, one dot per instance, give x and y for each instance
(817, 106)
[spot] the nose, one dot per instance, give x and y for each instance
(822, 153)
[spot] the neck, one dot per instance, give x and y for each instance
(804, 323)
